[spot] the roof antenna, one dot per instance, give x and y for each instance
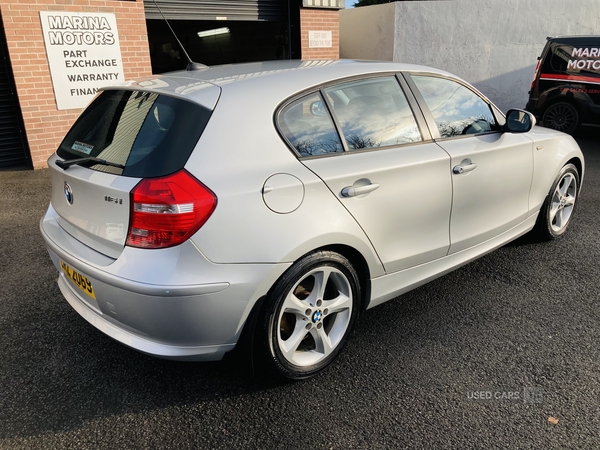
(191, 64)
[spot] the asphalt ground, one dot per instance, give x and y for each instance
(520, 325)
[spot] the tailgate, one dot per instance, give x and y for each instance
(93, 206)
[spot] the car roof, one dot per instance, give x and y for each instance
(583, 39)
(289, 76)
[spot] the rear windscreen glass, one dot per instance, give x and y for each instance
(151, 135)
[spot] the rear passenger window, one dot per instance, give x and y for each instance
(308, 127)
(373, 113)
(457, 110)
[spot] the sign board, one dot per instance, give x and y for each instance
(320, 39)
(334, 4)
(83, 54)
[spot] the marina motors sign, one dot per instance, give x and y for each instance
(83, 53)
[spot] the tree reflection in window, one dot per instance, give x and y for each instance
(457, 110)
(309, 128)
(373, 113)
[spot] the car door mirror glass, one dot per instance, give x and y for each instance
(519, 121)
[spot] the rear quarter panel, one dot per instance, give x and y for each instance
(238, 151)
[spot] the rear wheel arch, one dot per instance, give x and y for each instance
(249, 339)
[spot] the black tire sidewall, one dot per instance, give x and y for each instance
(275, 359)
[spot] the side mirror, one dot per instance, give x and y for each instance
(318, 108)
(519, 121)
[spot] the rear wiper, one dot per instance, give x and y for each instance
(64, 165)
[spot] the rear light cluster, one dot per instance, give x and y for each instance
(166, 211)
(535, 74)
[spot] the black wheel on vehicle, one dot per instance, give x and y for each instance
(558, 207)
(562, 117)
(310, 313)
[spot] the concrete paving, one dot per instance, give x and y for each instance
(521, 325)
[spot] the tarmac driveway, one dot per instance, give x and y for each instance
(487, 356)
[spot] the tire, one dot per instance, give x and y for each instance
(309, 315)
(557, 210)
(561, 116)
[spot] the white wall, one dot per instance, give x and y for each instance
(368, 32)
(493, 44)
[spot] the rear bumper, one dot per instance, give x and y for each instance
(170, 303)
(135, 341)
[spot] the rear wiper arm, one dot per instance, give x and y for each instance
(64, 165)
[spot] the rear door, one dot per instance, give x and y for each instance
(394, 182)
(491, 171)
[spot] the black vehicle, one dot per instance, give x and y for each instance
(565, 92)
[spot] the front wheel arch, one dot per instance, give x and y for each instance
(559, 205)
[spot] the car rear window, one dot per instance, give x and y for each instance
(152, 135)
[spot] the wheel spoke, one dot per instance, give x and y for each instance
(322, 341)
(564, 185)
(569, 200)
(559, 219)
(341, 303)
(290, 345)
(294, 305)
(554, 211)
(321, 279)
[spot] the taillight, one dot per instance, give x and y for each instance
(166, 211)
(535, 74)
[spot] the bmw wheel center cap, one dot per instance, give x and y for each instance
(317, 316)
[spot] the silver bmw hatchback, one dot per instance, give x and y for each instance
(271, 203)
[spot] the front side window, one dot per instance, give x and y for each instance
(457, 110)
(152, 135)
(308, 127)
(373, 113)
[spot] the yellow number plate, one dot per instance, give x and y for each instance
(80, 281)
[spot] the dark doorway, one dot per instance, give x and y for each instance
(14, 151)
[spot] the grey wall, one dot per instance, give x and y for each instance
(493, 44)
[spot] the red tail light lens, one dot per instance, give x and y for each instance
(535, 74)
(167, 211)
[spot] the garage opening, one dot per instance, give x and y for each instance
(222, 33)
(14, 151)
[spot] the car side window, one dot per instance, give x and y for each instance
(457, 110)
(307, 125)
(373, 113)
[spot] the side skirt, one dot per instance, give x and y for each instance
(391, 286)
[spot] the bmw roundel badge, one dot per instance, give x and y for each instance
(68, 193)
(317, 316)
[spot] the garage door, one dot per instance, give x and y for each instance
(14, 152)
(268, 10)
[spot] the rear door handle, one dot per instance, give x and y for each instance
(465, 166)
(351, 191)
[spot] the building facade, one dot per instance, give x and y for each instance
(57, 53)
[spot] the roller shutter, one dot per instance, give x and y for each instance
(14, 151)
(269, 10)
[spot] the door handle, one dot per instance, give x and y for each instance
(351, 191)
(464, 167)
